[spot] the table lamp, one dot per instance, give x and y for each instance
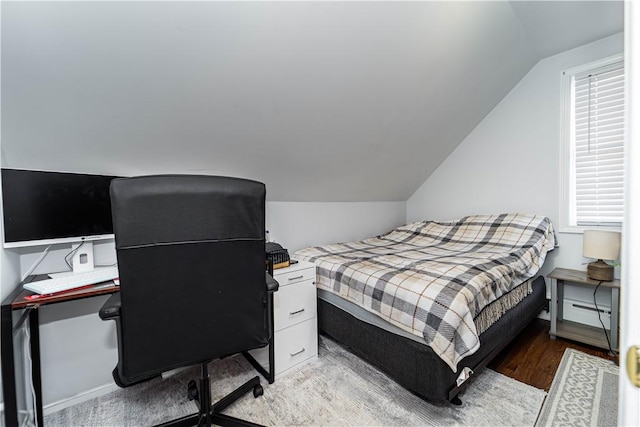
(601, 245)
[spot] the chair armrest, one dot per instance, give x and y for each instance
(111, 308)
(272, 284)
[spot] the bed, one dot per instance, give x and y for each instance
(431, 302)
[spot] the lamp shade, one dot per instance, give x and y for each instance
(600, 244)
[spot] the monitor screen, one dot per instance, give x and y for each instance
(54, 207)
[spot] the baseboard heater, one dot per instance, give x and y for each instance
(586, 313)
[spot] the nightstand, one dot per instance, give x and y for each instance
(576, 331)
(295, 320)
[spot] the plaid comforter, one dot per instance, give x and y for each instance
(432, 278)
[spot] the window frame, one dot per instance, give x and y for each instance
(567, 148)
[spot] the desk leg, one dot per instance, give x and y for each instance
(615, 301)
(553, 308)
(8, 369)
(36, 377)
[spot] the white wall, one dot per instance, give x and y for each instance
(298, 225)
(321, 101)
(510, 162)
(79, 350)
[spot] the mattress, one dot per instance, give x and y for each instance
(500, 306)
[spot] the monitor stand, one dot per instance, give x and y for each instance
(83, 257)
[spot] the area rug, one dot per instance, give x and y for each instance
(584, 392)
(336, 389)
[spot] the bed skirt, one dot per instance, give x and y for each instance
(414, 365)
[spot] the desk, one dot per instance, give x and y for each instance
(17, 300)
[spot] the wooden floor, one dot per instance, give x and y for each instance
(533, 357)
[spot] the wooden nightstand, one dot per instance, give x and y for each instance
(295, 319)
(577, 331)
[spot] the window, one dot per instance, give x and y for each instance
(593, 145)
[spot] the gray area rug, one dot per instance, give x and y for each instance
(337, 389)
(584, 392)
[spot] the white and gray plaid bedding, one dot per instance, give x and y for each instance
(432, 278)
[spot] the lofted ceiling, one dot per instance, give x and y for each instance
(322, 101)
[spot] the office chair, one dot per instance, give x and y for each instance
(193, 285)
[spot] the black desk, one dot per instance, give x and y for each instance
(18, 300)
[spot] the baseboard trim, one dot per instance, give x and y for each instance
(79, 398)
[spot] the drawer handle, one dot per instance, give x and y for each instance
(296, 278)
(291, 313)
(297, 352)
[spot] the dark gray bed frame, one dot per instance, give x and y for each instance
(415, 366)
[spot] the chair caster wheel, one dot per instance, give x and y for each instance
(192, 390)
(258, 391)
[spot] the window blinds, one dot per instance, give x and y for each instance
(599, 146)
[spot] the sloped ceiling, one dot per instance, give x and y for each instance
(322, 101)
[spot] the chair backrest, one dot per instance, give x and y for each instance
(192, 270)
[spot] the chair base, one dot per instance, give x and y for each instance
(209, 413)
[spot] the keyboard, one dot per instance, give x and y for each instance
(72, 281)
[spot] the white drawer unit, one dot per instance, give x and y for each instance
(296, 345)
(295, 320)
(294, 303)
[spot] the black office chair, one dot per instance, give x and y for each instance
(193, 286)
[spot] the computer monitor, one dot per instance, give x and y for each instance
(42, 208)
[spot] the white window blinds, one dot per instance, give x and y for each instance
(598, 134)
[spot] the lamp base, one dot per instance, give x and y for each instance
(600, 270)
